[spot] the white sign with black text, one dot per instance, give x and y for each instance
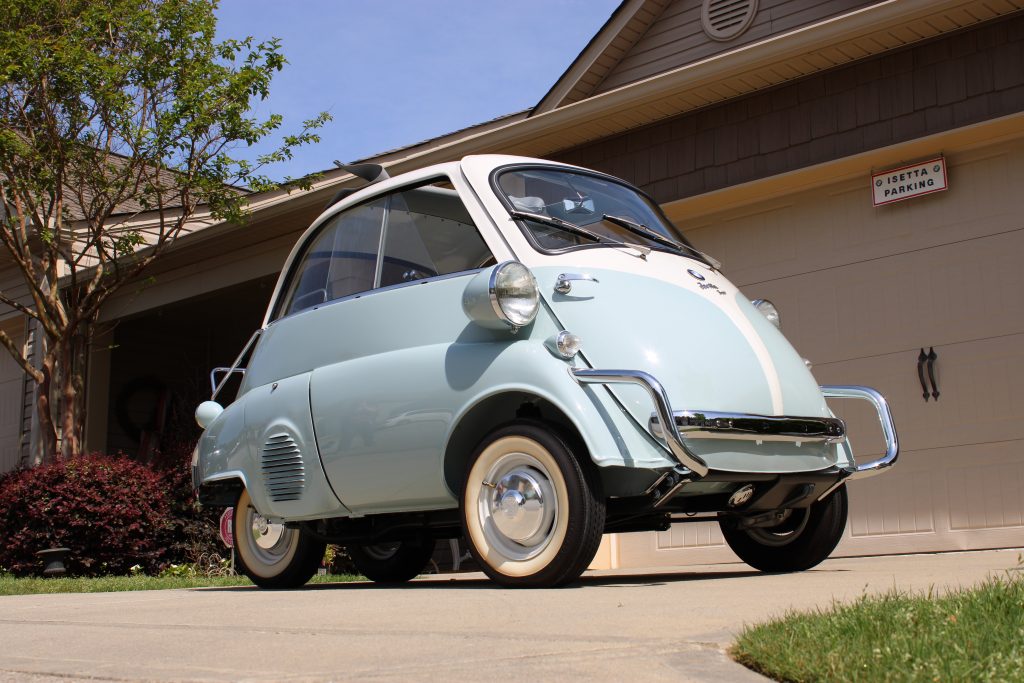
(909, 181)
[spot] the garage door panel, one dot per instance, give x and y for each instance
(690, 535)
(980, 396)
(836, 225)
(683, 544)
(899, 501)
(936, 296)
(948, 498)
(985, 490)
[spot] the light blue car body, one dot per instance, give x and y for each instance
(378, 399)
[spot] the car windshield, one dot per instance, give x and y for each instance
(609, 212)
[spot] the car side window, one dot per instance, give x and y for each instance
(341, 261)
(429, 233)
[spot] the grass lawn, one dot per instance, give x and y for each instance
(972, 634)
(10, 585)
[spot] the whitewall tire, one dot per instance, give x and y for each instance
(272, 555)
(530, 509)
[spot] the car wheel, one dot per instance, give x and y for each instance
(800, 541)
(272, 555)
(394, 562)
(530, 509)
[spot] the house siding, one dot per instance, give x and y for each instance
(964, 78)
(676, 38)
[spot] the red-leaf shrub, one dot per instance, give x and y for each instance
(110, 511)
(193, 535)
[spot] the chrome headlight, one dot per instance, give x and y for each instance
(514, 293)
(768, 310)
(505, 297)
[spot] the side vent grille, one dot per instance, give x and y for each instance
(726, 19)
(283, 470)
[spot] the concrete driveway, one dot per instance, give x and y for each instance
(612, 626)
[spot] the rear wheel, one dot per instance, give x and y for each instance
(394, 562)
(530, 508)
(272, 555)
(802, 540)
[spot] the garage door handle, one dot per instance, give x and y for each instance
(921, 358)
(931, 371)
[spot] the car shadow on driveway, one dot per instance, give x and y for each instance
(477, 583)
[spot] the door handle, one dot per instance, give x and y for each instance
(926, 362)
(932, 356)
(921, 358)
(563, 283)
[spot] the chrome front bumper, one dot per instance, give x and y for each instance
(689, 424)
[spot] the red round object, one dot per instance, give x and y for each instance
(226, 534)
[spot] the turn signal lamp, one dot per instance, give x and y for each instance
(565, 344)
(768, 310)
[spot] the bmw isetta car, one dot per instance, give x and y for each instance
(528, 355)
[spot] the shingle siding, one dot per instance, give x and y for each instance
(946, 83)
(676, 38)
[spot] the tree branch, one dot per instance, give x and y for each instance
(19, 357)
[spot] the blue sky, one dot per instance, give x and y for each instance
(396, 72)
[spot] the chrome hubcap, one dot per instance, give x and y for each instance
(517, 506)
(265, 534)
(266, 544)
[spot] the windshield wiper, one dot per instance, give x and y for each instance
(577, 230)
(641, 229)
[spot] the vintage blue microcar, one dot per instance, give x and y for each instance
(527, 355)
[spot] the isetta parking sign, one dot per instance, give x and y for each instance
(909, 181)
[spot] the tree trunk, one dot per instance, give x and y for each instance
(72, 393)
(47, 450)
(60, 399)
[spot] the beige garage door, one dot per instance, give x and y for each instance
(861, 291)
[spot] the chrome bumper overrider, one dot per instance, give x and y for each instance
(892, 444)
(692, 424)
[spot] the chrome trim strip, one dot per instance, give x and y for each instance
(226, 371)
(892, 446)
(492, 293)
(234, 366)
(707, 424)
(662, 406)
